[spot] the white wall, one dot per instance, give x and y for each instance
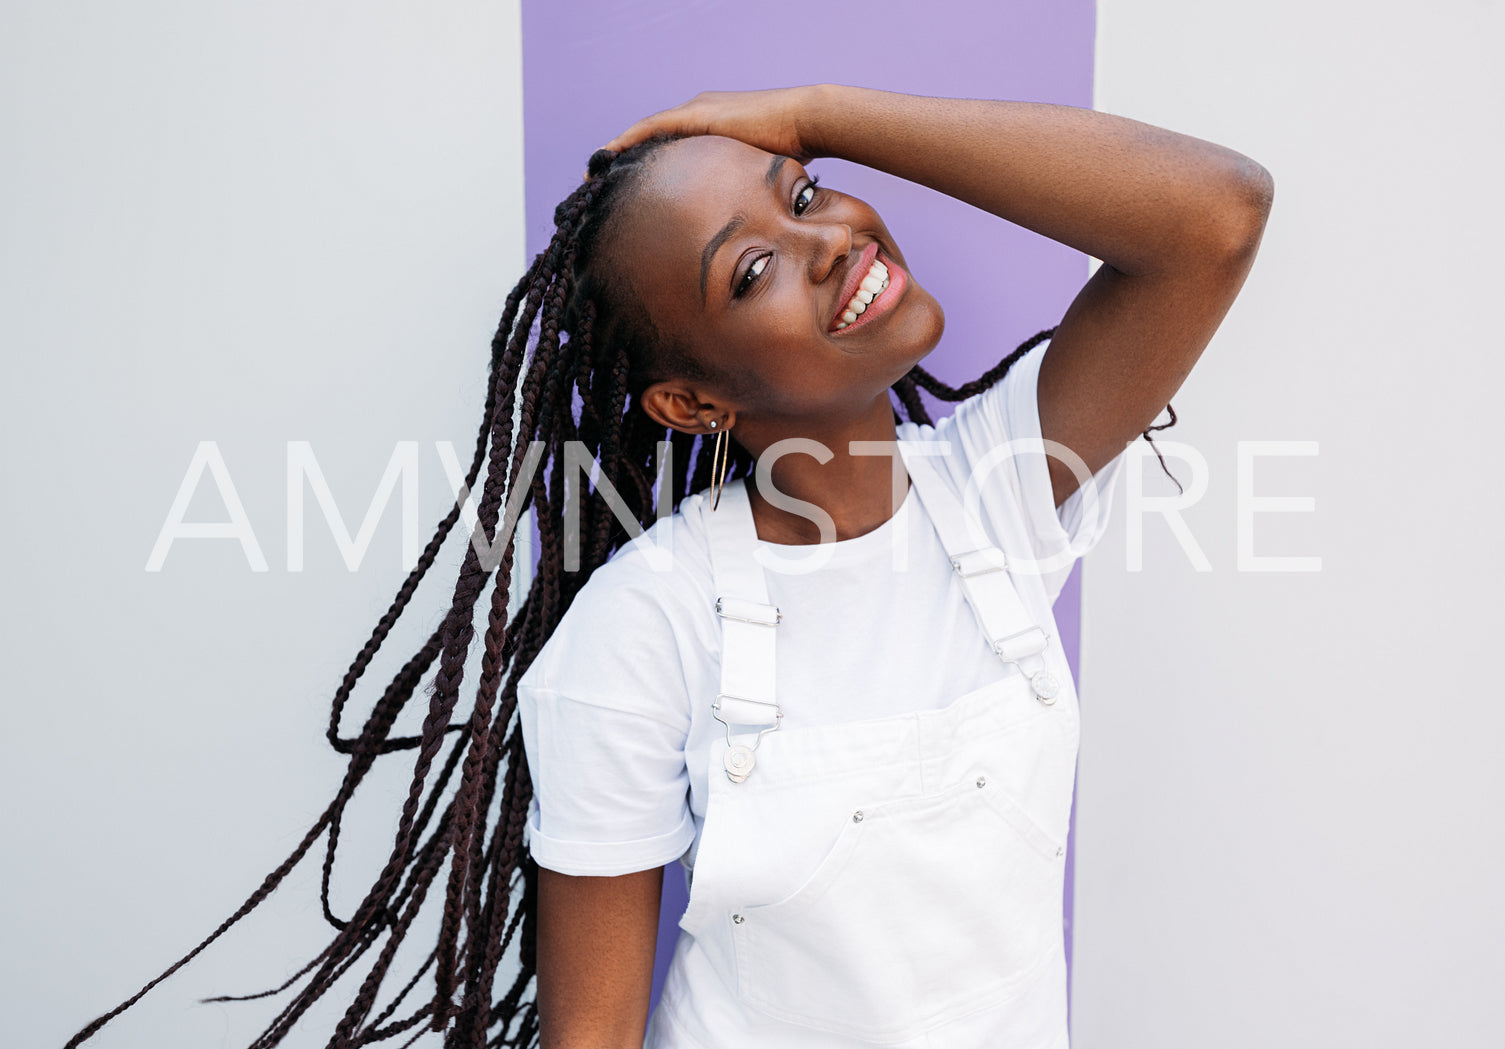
(254, 224)
(1291, 786)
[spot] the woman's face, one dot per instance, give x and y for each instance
(737, 255)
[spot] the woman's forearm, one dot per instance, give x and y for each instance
(1140, 198)
(596, 943)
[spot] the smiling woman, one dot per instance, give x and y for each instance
(844, 709)
(755, 271)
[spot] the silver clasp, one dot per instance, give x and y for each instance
(748, 611)
(977, 562)
(739, 759)
(1026, 643)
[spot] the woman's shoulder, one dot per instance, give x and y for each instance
(998, 459)
(648, 603)
(669, 563)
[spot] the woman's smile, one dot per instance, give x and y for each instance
(876, 282)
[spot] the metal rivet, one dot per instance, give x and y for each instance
(738, 919)
(857, 816)
(982, 781)
(1045, 686)
(738, 762)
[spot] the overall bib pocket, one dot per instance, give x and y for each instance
(926, 909)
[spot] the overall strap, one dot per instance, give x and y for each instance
(746, 703)
(984, 574)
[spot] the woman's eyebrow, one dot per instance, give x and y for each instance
(774, 167)
(713, 246)
(771, 177)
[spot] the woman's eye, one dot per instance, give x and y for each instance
(805, 197)
(753, 273)
(802, 201)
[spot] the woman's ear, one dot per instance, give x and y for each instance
(677, 406)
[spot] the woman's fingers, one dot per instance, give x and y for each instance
(631, 137)
(766, 119)
(668, 121)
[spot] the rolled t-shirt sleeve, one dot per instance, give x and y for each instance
(605, 719)
(1008, 463)
(610, 787)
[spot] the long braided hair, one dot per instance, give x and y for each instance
(568, 360)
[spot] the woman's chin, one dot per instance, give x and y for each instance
(928, 325)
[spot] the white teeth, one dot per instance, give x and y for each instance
(871, 287)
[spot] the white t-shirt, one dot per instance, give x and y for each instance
(616, 709)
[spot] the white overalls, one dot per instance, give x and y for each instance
(895, 881)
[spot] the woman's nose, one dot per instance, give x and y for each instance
(831, 243)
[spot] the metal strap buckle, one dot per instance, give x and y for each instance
(1018, 646)
(738, 759)
(748, 611)
(1026, 643)
(977, 562)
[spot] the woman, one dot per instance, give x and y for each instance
(868, 771)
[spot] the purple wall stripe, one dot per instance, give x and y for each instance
(592, 67)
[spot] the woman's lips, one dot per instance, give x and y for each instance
(897, 279)
(854, 279)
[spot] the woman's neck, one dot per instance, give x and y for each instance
(856, 488)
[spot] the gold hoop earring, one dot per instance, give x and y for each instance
(720, 454)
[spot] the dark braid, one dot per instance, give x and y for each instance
(577, 379)
(907, 391)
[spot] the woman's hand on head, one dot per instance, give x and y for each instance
(773, 120)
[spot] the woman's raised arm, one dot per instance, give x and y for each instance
(1175, 220)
